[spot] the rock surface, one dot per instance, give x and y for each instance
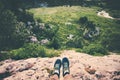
(104, 14)
(82, 67)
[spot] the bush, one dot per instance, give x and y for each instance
(31, 50)
(70, 43)
(83, 20)
(114, 42)
(8, 25)
(4, 55)
(55, 43)
(111, 41)
(94, 49)
(76, 43)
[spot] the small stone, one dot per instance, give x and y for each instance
(1, 63)
(8, 61)
(9, 67)
(37, 77)
(98, 75)
(30, 73)
(34, 68)
(117, 73)
(90, 70)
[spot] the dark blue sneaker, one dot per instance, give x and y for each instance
(65, 63)
(57, 67)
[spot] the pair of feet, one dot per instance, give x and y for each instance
(65, 65)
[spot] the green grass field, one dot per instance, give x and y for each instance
(66, 18)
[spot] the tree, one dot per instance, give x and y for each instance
(10, 34)
(113, 42)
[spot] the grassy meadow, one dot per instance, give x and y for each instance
(66, 28)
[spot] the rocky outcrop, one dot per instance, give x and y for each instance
(104, 14)
(82, 67)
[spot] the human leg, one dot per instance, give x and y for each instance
(56, 73)
(66, 69)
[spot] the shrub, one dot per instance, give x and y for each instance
(70, 43)
(4, 55)
(8, 24)
(55, 43)
(52, 52)
(31, 50)
(114, 42)
(83, 20)
(94, 49)
(111, 41)
(76, 43)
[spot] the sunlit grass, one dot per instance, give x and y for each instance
(66, 18)
(62, 16)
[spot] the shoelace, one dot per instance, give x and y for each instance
(57, 67)
(66, 67)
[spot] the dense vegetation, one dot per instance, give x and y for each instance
(35, 28)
